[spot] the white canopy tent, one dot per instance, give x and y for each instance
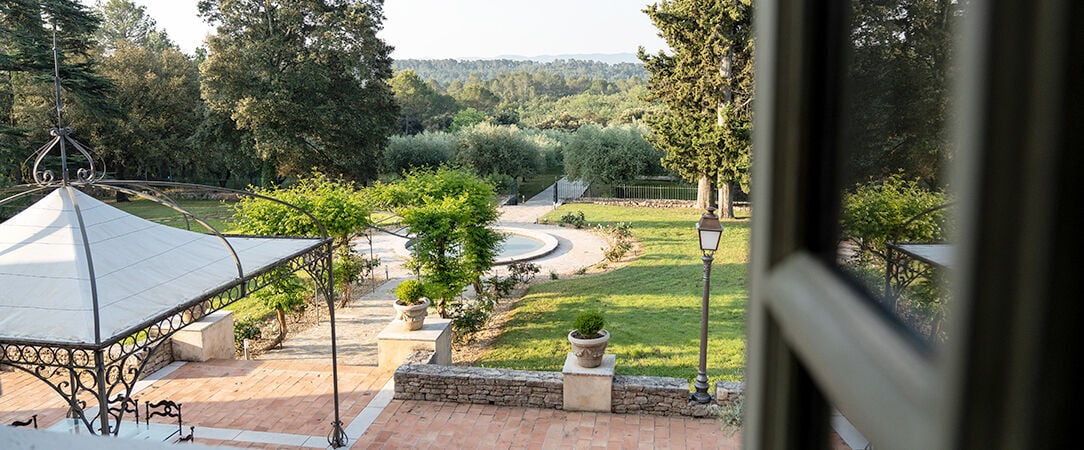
(69, 254)
(88, 292)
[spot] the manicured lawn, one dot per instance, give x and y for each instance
(214, 212)
(652, 305)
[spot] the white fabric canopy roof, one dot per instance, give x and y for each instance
(141, 270)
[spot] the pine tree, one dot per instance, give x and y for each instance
(706, 84)
(27, 108)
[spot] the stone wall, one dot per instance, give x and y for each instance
(649, 203)
(417, 380)
(159, 359)
(458, 384)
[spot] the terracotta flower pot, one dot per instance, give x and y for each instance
(589, 351)
(413, 316)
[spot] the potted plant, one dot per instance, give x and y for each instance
(411, 305)
(589, 339)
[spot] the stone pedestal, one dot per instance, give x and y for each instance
(588, 389)
(395, 343)
(208, 338)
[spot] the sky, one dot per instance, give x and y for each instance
(461, 29)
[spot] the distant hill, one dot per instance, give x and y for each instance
(448, 70)
(608, 58)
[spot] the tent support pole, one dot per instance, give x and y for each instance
(103, 392)
(338, 436)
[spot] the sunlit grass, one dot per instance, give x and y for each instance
(214, 212)
(652, 306)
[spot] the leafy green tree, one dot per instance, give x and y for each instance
(158, 94)
(876, 212)
(706, 85)
(900, 69)
(286, 294)
(425, 150)
(126, 22)
(420, 106)
(497, 150)
(450, 211)
(477, 96)
(342, 210)
(220, 152)
(611, 155)
(27, 96)
(467, 118)
(307, 79)
(896, 208)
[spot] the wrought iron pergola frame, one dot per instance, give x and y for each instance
(902, 266)
(107, 369)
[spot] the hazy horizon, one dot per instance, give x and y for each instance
(479, 29)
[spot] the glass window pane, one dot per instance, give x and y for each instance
(896, 145)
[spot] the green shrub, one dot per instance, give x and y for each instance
(471, 316)
(410, 292)
(576, 219)
(588, 324)
(247, 328)
(877, 211)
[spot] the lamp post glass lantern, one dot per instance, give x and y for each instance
(709, 231)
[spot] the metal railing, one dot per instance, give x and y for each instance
(678, 192)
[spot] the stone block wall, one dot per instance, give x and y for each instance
(647, 203)
(458, 384)
(159, 359)
(417, 380)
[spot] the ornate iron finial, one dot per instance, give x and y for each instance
(62, 138)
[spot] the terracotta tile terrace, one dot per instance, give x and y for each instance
(288, 404)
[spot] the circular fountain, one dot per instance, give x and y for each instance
(521, 244)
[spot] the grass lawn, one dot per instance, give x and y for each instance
(652, 305)
(214, 212)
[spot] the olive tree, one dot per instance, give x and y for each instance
(611, 155)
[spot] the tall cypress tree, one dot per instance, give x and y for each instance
(706, 84)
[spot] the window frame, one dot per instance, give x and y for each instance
(815, 342)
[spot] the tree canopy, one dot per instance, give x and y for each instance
(307, 79)
(706, 85)
(899, 70)
(497, 150)
(450, 212)
(611, 155)
(27, 97)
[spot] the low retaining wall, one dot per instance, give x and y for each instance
(649, 203)
(417, 380)
(478, 385)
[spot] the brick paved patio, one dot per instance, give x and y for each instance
(287, 404)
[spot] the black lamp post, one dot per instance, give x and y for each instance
(709, 230)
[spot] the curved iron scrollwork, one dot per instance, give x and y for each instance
(44, 171)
